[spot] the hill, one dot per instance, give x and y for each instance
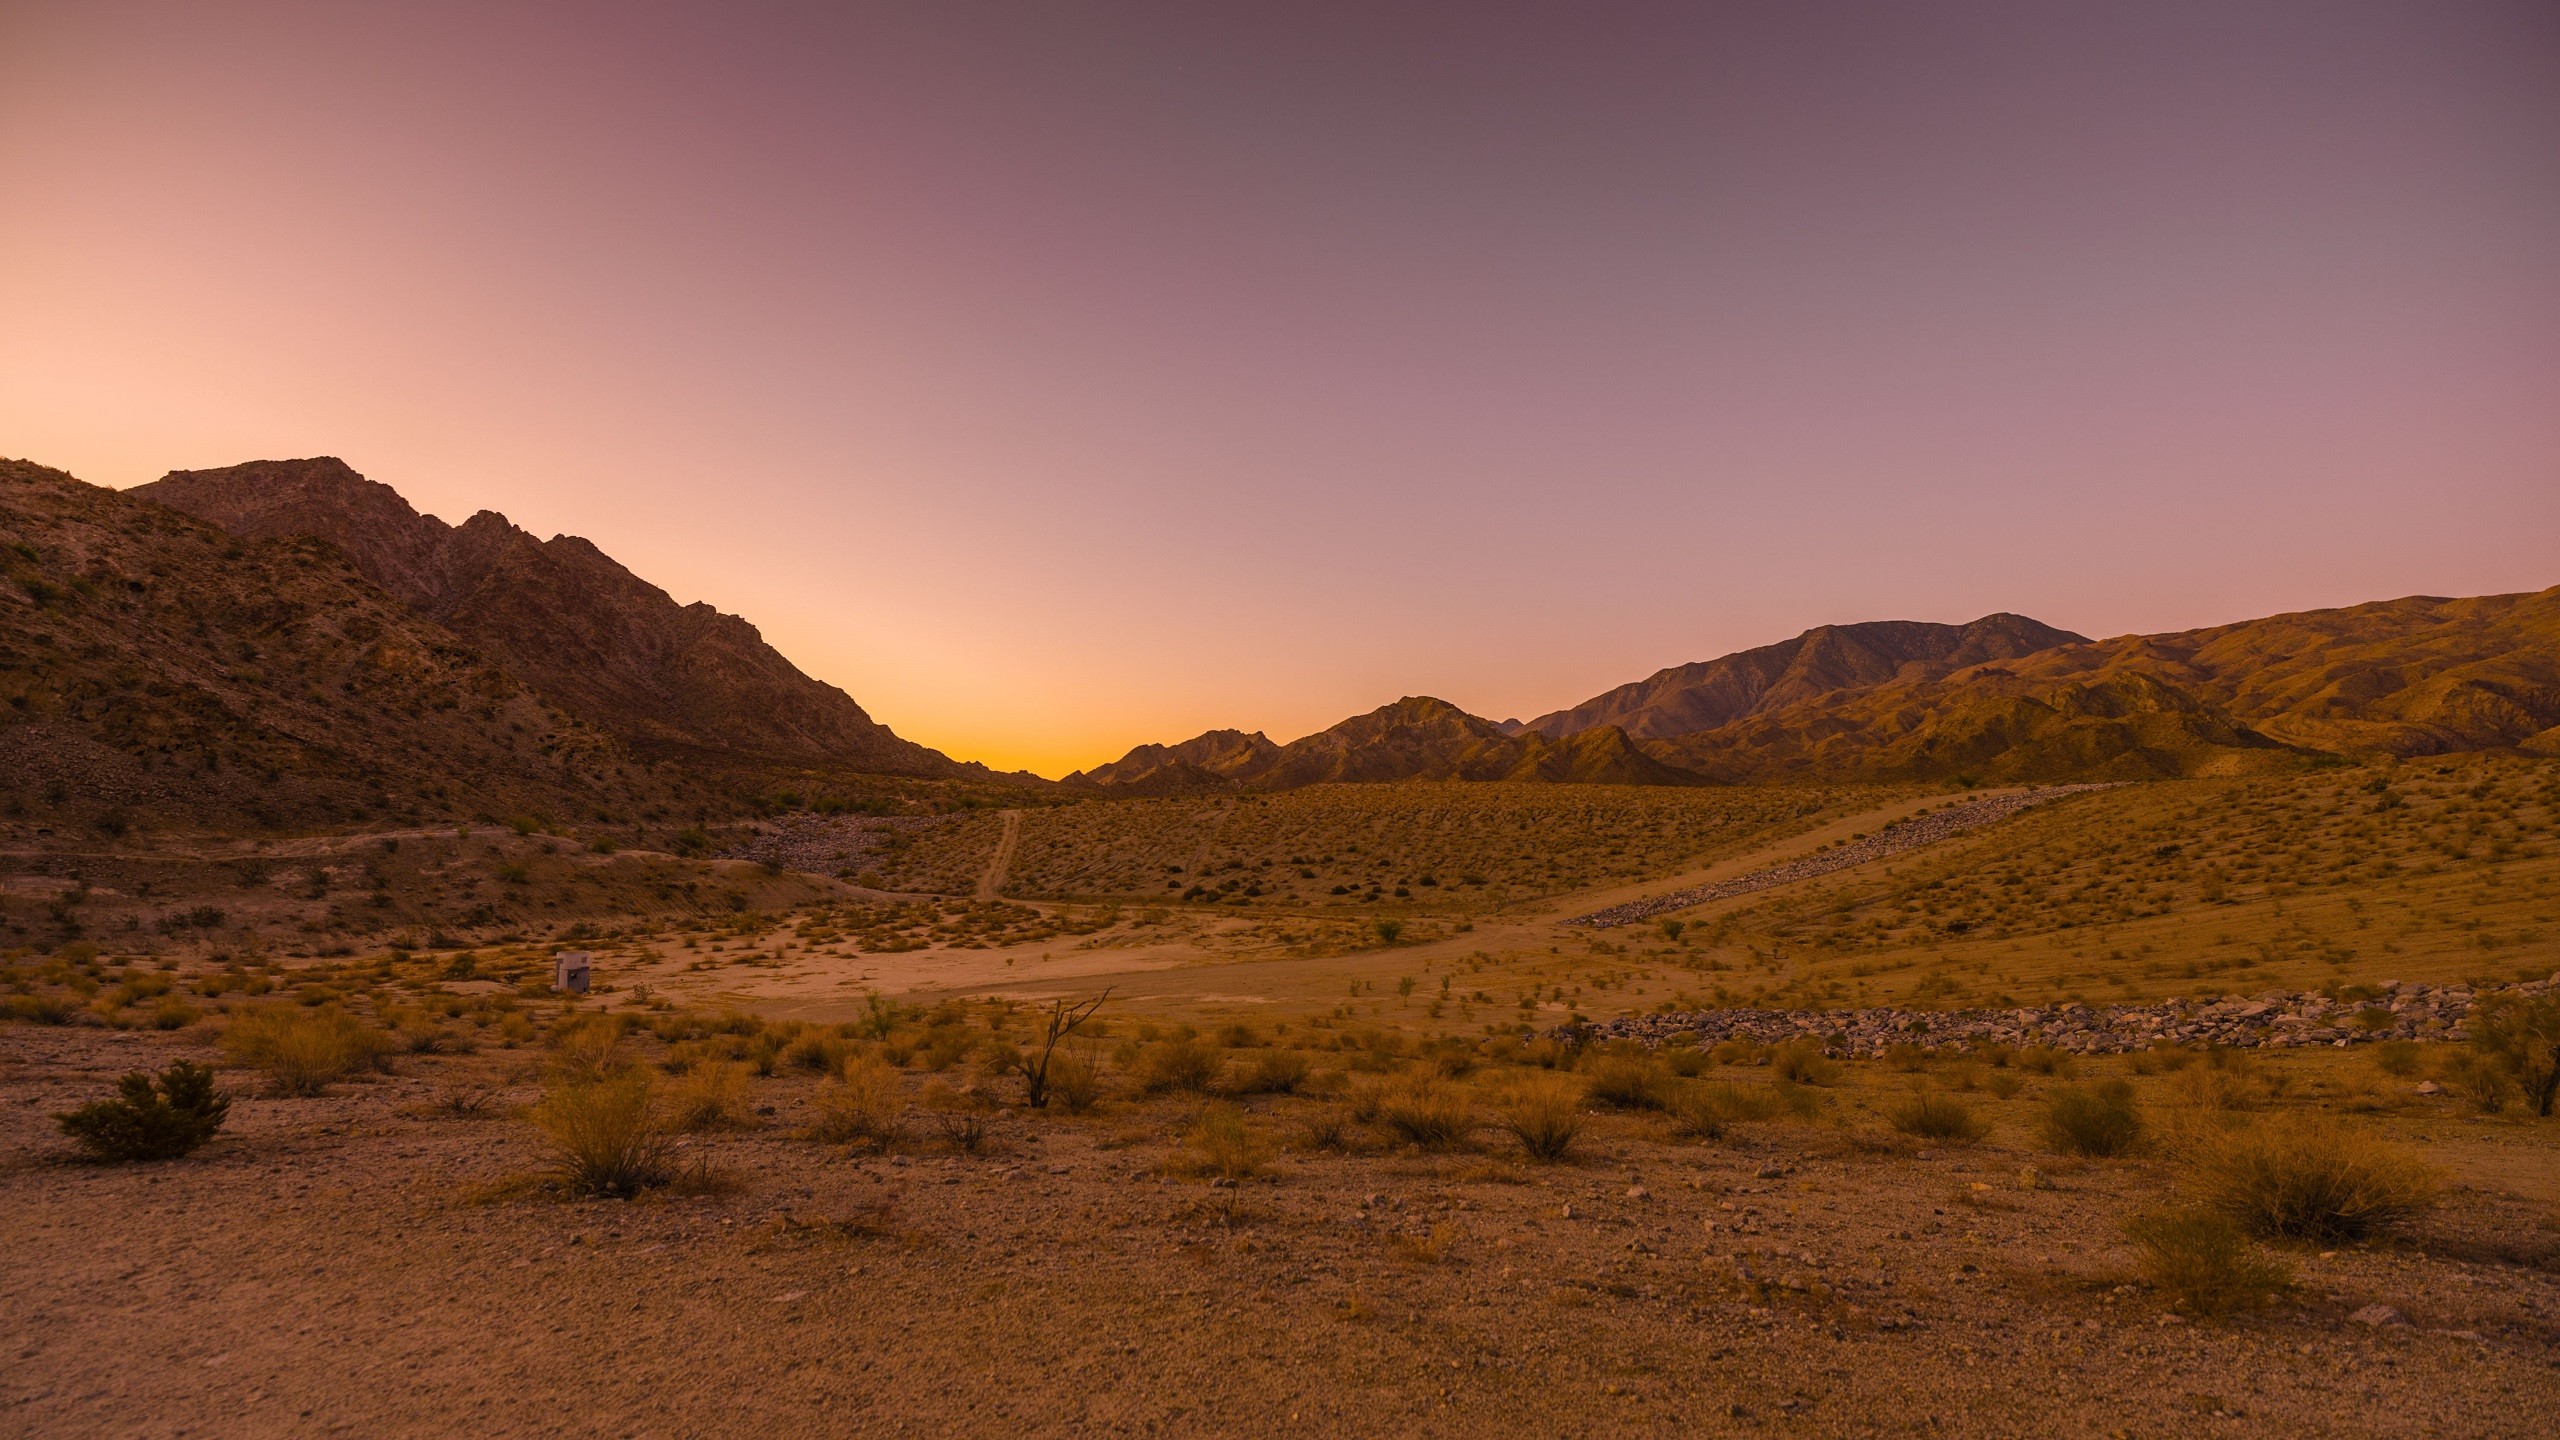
(588, 635)
(154, 665)
(1416, 738)
(1821, 662)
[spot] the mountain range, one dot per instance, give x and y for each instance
(292, 640)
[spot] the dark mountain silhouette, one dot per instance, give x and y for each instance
(1416, 738)
(588, 635)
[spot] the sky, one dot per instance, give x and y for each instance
(1055, 378)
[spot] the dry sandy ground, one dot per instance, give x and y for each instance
(319, 1270)
(1182, 975)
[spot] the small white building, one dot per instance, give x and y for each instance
(569, 971)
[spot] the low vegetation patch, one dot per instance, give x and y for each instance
(608, 1136)
(2099, 1121)
(1938, 1117)
(1544, 1114)
(303, 1052)
(148, 1119)
(2310, 1178)
(2203, 1260)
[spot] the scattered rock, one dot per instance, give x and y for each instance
(2379, 1316)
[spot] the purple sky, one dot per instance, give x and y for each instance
(1059, 377)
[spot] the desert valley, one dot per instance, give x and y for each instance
(1972, 1029)
(755, 720)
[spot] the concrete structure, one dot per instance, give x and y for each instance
(569, 971)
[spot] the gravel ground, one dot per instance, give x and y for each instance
(319, 1270)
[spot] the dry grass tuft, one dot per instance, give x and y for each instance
(2310, 1178)
(2099, 1121)
(1938, 1117)
(1220, 1144)
(1170, 1065)
(608, 1136)
(2203, 1261)
(1544, 1114)
(710, 1095)
(1427, 1112)
(1801, 1061)
(866, 1102)
(304, 1051)
(1628, 1082)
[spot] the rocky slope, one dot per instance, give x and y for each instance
(1821, 662)
(588, 635)
(156, 667)
(1416, 738)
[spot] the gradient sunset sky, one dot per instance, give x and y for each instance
(1055, 377)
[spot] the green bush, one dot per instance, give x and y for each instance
(2098, 1121)
(2202, 1260)
(148, 1121)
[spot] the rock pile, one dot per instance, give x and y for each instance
(1893, 839)
(2396, 1011)
(815, 844)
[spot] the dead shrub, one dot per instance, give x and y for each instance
(1740, 1050)
(2310, 1178)
(1938, 1117)
(2203, 1261)
(608, 1136)
(2099, 1121)
(960, 1115)
(2397, 1058)
(1326, 1128)
(1544, 1114)
(303, 1051)
(866, 1102)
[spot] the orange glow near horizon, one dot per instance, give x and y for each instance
(1056, 381)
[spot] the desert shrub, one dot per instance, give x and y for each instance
(1800, 1061)
(863, 1103)
(2099, 1121)
(303, 1051)
(1074, 1080)
(2520, 1035)
(1544, 1114)
(2397, 1057)
(960, 1116)
(1906, 1057)
(1627, 1082)
(1938, 1117)
(2202, 1260)
(589, 1049)
(1740, 1050)
(2310, 1178)
(43, 1009)
(1427, 1112)
(607, 1136)
(817, 1050)
(1220, 1143)
(2163, 1058)
(711, 1095)
(1274, 1072)
(2003, 1083)
(2043, 1060)
(1800, 1102)
(1176, 1065)
(2477, 1080)
(150, 1120)
(1686, 1061)
(1326, 1128)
